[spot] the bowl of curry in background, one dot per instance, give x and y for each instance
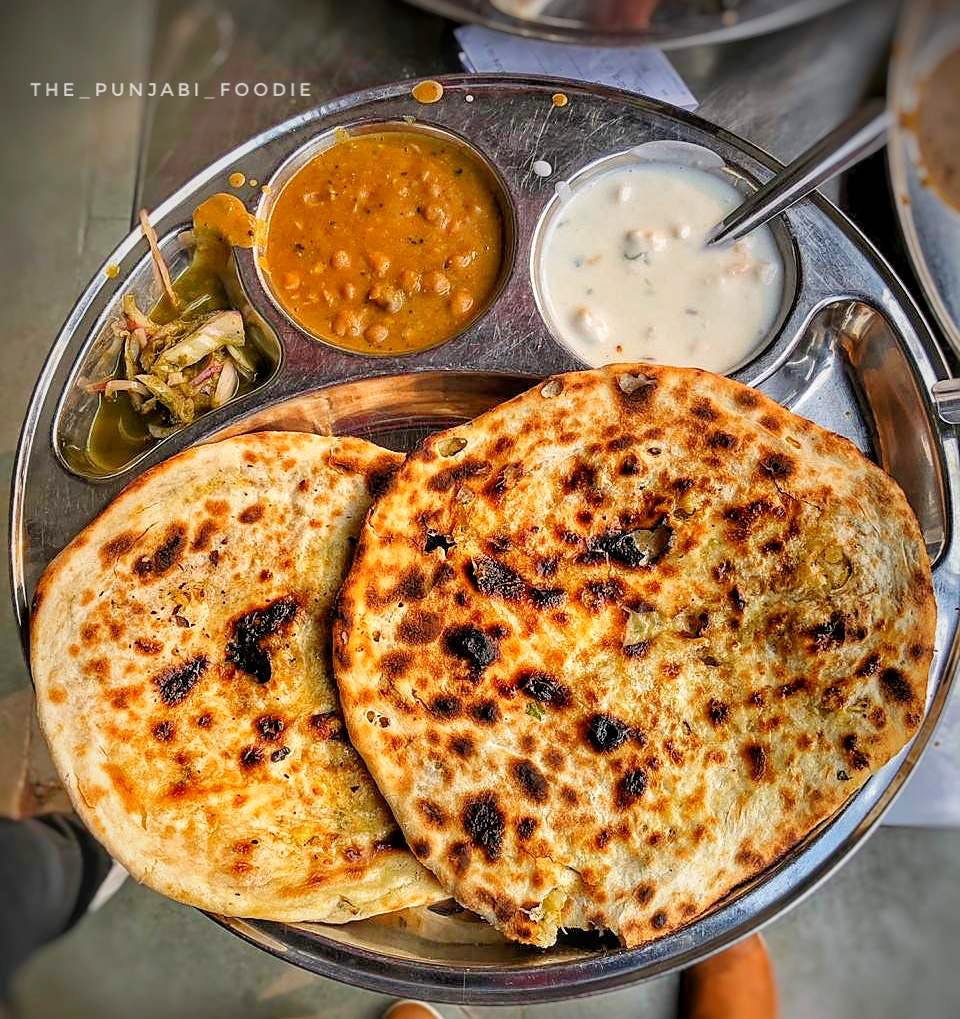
(385, 238)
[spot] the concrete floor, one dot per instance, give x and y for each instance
(879, 940)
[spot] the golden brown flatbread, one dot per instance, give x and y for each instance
(617, 645)
(180, 649)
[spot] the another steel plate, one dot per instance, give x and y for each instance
(851, 352)
(929, 30)
(667, 23)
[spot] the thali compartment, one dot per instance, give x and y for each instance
(850, 346)
(476, 164)
(95, 453)
(692, 165)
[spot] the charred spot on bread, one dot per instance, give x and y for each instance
(629, 466)
(435, 540)
(419, 627)
(635, 549)
(494, 579)
(245, 651)
(395, 664)
(380, 475)
(630, 788)
(606, 733)
(462, 745)
(696, 624)
(856, 757)
(444, 480)
(503, 480)
(201, 540)
(270, 727)
(546, 689)
(473, 646)
(413, 585)
(458, 857)
(870, 665)
(644, 893)
(525, 827)
(445, 706)
(745, 517)
(175, 683)
(432, 813)
(717, 712)
(393, 840)
(164, 731)
(250, 757)
(833, 631)
(485, 712)
(483, 821)
(547, 597)
(895, 686)
(597, 593)
(721, 440)
(165, 556)
(583, 476)
(755, 755)
(703, 409)
(531, 781)
(777, 466)
(635, 390)
(113, 549)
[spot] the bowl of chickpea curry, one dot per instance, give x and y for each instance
(384, 242)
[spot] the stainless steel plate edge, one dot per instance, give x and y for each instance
(753, 19)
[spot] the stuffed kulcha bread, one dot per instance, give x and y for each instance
(180, 650)
(617, 645)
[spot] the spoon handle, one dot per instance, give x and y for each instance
(856, 138)
(946, 398)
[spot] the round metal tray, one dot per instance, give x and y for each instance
(631, 22)
(929, 29)
(852, 352)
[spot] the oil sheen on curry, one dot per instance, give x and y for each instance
(386, 243)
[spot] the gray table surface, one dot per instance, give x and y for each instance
(879, 939)
(781, 91)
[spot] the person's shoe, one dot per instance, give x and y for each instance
(411, 1010)
(111, 885)
(734, 984)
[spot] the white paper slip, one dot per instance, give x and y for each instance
(641, 69)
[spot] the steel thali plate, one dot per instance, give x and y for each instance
(663, 23)
(851, 352)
